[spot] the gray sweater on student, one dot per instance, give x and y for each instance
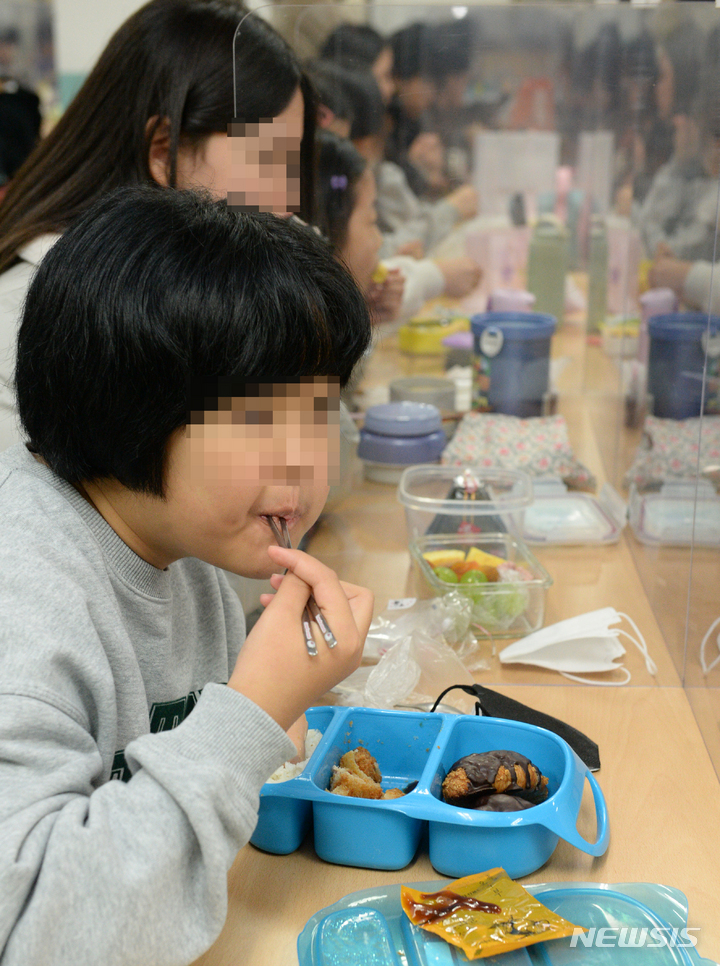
(120, 811)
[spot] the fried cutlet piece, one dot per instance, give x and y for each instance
(345, 782)
(360, 762)
(358, 776)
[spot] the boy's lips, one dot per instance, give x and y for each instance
(291, 516)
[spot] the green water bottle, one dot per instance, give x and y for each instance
(597, 265)
(547, 266)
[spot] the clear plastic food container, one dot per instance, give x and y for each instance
(450, 500)
(680, 513)
(511, 602)
(558, 516)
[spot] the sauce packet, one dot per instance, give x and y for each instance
(484, 914)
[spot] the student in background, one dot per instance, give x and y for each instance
(156, 109)
(449, 116)
(360, 47)
(175, 385)
(679, 214)
(645, 136)
(346, 215)
(329, 79)
(417, 151)
(403, 218)
(696, 282)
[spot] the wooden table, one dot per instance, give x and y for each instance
(657, 774)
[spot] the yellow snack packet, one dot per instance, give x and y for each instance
(484, 914)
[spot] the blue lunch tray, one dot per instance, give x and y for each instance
(422, 747)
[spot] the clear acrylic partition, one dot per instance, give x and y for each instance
(608, 117)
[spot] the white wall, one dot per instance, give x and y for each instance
(82, 28)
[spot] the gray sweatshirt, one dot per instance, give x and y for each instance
(680, 210)
(120, 811)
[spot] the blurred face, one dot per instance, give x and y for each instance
(273, 454)
(382, 72)
(416, 95)
(256, 456)
(363, 240)
(256, 166)
(452, 95)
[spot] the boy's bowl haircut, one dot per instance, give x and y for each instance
(206, 395)
(152, 298)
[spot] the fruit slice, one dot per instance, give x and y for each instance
(447, 575)
(464, 566)
(444, 558)
(474, 577)
(482, 558)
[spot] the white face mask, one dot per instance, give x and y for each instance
(580, 645)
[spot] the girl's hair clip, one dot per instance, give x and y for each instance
(339, 181)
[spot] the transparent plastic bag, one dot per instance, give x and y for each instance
(449, 619)
(421, 649)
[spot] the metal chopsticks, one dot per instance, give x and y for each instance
(312, 610)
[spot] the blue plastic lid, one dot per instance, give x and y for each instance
(403, 419)
(405, 450)
(635, 924)
(515, 325)
(682, 326)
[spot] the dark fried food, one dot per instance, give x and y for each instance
(502, 803)
(493, 772)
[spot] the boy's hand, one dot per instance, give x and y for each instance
(274, 668)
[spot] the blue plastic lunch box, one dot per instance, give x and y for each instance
(422, 747)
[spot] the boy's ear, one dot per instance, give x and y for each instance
(159, 151)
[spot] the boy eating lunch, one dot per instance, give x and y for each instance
(178, 372)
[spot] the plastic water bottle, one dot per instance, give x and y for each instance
(547, 266)
(597, 275)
